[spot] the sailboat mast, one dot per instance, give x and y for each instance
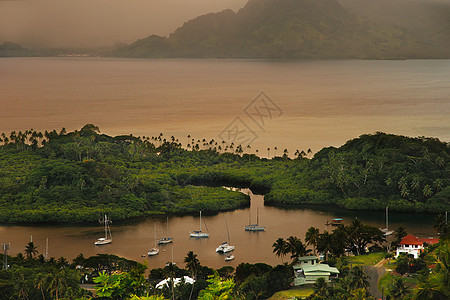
(155, 233)
(257, 216)
(167, 227)
(387, 221)
(228, 233)
(106, 227)
(200, 221)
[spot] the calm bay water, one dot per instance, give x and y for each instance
(133, 238)
(323, 102)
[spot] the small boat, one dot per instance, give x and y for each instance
(254, 227)
(337, 221)
(165, 240)
(224, 247)
(154, 250)
(229, 257)
(199, 233)
(108, 236)
(386, 230)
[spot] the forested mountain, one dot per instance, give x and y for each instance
(428, 21)
(79, 176)
(9, 49)
(304, 29)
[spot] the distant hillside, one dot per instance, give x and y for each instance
(9, 49)
(427, 21)
(299, 29)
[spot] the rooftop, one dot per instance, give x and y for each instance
(413, 240)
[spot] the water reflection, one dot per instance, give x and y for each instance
(134, 238)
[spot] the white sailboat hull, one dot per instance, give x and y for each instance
(198, 234)
(164, 241)
(254, 228)
(224, 248)
(387, 232)
(103, 241)
(153, 252)
(228, 248)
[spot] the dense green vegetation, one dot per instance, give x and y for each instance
(305, 29)
(79, 176)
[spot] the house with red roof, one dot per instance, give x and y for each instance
(413, 245)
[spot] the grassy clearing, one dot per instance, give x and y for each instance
(390, 265)
(289, 294)
(367, 259)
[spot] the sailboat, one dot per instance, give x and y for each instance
(254, 227)
(386, 230)
(166, 240)
(199, 233)
(108, 236)
(225, 247)
(154, 250)
(229, 257)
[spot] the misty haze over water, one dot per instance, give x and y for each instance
(323, 103)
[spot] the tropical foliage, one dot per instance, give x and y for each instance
(79, 176)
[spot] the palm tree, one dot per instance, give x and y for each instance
(79, 260)
(358, 278)
(58, 282)
(192, 264)
(441, 225)
(311, 237)
(171, 274)
(360, 294)
(279, 248)
(41, 281)
(400, 233)
(438, 185)
(295, 246)
(398, 289)
(427, 191)
(30, 250)
(325, 244)
(321, 287)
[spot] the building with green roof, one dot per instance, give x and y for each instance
(309, 269)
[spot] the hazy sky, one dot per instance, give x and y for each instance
(98, 22)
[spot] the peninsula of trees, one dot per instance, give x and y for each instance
(78, 176)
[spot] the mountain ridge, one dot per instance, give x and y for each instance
(288, 29)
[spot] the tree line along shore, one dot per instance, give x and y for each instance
(79, 176)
